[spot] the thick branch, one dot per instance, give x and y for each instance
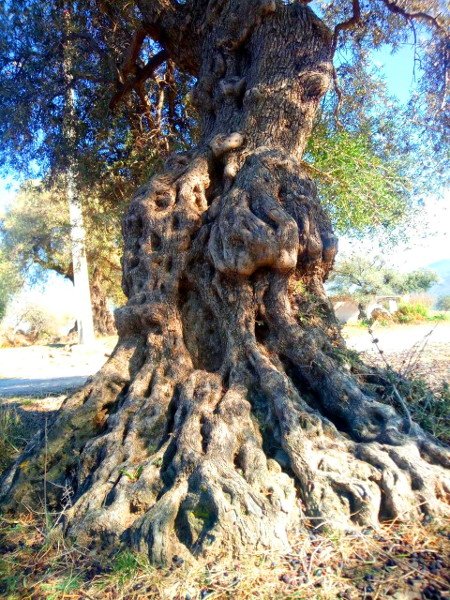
(132, 54)
(142, 74)
(177, 27)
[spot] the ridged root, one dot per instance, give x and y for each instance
(224, 418)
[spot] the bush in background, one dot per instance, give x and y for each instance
(412, 312)
(443, 302)
(417, 312)
(29, 321)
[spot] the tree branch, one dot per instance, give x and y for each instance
(88, 40)
(433, 21)
(421, 16)
(177, 27)
(141, 75)
(132, 54)
(351, 23)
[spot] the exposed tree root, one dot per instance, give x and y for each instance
(223, 418)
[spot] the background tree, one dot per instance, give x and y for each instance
(36, 233)
(364, 279)
(443, 303)
(226, 398)
(10, 281)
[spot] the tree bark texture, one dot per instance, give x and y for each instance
(103, 318)
(229, 415)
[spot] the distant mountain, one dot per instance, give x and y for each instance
(442, 268)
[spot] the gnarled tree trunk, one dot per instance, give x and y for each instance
(226, 415)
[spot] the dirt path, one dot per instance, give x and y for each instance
(398, 338)
(53, 369)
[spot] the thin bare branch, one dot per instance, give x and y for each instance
(351, 23)
(420, 16)
(432, 21)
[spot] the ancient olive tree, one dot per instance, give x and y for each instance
(228, 415)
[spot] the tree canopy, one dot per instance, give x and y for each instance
(364, 278)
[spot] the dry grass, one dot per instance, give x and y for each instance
(398, 561)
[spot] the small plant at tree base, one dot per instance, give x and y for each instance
(13, 436)
(431, 409)
(132, 475)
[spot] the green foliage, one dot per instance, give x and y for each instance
(132, 475)
(431, 410)
(415, 312)
(36, 236)
(359, 189)
(370, 171)
(10, 281)
(443, 303)
(62, 586)
(126, 564)
(346, 357)
(13, 435)
(420, 125)
(412, 282)
(36, 231)
(364, 279)
(411, 312)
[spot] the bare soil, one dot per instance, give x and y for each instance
(32, 370)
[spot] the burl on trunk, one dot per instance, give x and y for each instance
(226, 416)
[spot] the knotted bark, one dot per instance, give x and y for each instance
(226, 416)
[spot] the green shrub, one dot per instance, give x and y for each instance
(411, 313)
(440, 316)
(443, 303)
(431, 410)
